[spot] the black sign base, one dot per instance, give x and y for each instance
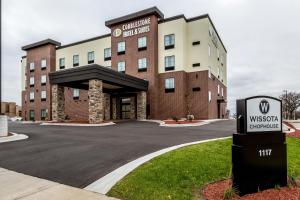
(259, 162)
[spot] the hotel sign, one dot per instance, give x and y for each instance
(263, 114)
(133, 28)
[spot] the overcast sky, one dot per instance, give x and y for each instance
(262, 37)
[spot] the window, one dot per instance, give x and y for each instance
(121, 66)
(169, 85)
(218, 89)
(121, 48)
(142, 43)
(169, 63)
(43, 114)
(222, 92)
(31, 115)
(75, 93)
(43, 79)
(107, 54)
(43, 63)
(169, 41)
(209, 50)
(91, 57)
(75, 60)
(31, 81)
(31, 96)
(196, 65)
(209, 96)
(142, 64)
(43, 95)
(31, 66)
(61, 63)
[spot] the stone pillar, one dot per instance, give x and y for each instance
(106, 106)
(114, 108)
(95, 93)
(141, 105)
(58, 103)
(132, 108)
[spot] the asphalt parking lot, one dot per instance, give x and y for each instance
(78, 156)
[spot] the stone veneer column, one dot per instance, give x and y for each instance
(141, 105)
(114, 108)
(106, 106)
(95, 93)
(58, 103)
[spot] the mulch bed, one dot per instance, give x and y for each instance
(170, 121)
(215, 191)
(295, 134)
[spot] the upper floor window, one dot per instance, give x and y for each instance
(142, 64)
(43, 79)
(61, 63)
(43, 95)
(75, 60)
(43, 63)
(169, 85)
(91, 57)
(31, 81)
(107, 54)
(142, 43)
(121, 48)
(121, 66)
(169, 63)
(75, 93)
(31, 66)
(169, 41)
(31, 96)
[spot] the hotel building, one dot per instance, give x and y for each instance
(147, 67)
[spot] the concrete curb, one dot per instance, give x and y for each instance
(72, 124)
(104, 184)
(14, 137)
(203, 122)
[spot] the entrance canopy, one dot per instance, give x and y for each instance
(113, 81)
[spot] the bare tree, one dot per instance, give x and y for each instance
(290, 103)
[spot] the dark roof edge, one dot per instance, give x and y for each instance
(153, 10)
(84, 41)
(40, 43)
(191, 20)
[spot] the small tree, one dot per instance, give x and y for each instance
(290, 103)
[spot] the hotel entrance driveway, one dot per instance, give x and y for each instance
(78, 156)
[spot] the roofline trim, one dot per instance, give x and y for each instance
(40, 43)
(85, 41)
(182, 16)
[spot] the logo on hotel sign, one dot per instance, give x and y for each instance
(264, 106)
(117, 32)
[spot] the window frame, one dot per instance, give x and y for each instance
(31, 81)
(31, 96)
(107, 57)
(144, 47)
(121, 51)
(45, 95)
(42, 66)
(143, 68)
(75, 94)
(123, 71)
(169, 89)
(43, 82)
(60, 63)
(93, 57)
(77, 63)
(31, 66)
(43, 111)
(172, 41)
(171, 67)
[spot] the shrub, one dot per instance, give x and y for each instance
(229, 193)
(175, 118)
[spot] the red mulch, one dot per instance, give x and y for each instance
(215, 191)
(170, 121)
(295, 134)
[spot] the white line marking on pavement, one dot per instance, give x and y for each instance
(104, 184)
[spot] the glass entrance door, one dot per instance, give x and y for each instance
(125, 108)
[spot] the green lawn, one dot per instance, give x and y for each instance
(181, 173)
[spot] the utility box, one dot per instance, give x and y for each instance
(3, 126)
(259, 158)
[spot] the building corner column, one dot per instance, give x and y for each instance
(141, 105)
(58, 103)
(96, 111)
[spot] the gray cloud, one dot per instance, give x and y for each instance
(262, 37)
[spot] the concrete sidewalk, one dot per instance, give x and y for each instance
(14, 185)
